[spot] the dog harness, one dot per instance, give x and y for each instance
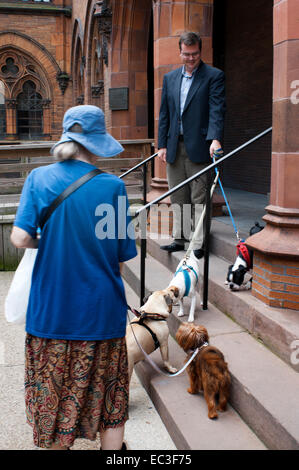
(244, 252)
(142, 317)
(186, 270)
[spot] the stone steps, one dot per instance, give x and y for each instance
(184, 415)
(276, 328)
(264, 387)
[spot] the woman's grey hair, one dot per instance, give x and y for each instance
(66, 151)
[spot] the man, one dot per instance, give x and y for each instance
(190, 130)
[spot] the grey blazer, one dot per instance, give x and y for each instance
(203, 114)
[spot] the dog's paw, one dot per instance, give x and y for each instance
(191, 320)
(181, 314)
(212, 415)
(170, 368)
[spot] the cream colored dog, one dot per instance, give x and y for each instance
(153, 314)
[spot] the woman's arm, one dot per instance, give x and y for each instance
(21, 239)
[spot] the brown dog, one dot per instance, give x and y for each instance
(208, 371)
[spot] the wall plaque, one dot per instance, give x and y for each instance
(118, 98)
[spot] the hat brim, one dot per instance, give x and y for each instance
(100, 144)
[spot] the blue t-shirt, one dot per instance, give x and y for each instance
(77, 292)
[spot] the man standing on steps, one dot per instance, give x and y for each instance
(190, 130)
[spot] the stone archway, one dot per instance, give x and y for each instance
(42, 66)
(18, 67)
(78, 63)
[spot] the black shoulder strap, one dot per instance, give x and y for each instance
(67, 192)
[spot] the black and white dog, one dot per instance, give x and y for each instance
(236, 272)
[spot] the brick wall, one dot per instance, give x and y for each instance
(245, 37)
(276, 281)
(46, 39)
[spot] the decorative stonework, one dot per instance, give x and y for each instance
(11, 103)
(80, 99)
(46, 104)
(63, 81)
(98, 89)
(104, 15)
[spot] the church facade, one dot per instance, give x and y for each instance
(114, 54)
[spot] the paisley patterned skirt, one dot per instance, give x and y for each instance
(74, 388)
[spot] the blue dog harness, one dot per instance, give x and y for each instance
(186, 270)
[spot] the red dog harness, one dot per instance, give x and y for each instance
(244, 252)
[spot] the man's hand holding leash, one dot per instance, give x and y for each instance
(215, 149)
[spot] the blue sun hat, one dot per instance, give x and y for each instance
(89, 132)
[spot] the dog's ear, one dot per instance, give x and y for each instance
(145, 299)
(168, 299)
(175, 291)
(242, 268)
(169, 302)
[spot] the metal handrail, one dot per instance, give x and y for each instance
(202, 172)
(144, 162)
(207, 225)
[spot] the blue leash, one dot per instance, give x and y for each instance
(218, 153)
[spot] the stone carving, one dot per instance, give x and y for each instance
(104, 15)
(98, 89)
(63, 80)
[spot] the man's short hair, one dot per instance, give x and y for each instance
(190, 39)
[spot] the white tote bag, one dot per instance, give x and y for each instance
(16, 301)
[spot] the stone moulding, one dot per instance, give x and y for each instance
(38, 9)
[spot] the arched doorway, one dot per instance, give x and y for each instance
(243, 48)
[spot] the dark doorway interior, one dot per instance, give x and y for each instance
(150, 80)
(243, 48)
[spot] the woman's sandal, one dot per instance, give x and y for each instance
(123, 447)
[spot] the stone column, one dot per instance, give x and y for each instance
(276, 248)
(11, 119)
(46, 119)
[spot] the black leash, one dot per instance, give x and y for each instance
(67, 192)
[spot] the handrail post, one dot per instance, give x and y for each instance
(143, 233)
(142, 269)
(144, 171)
(206, 244)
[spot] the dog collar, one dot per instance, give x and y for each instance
(191, 351)
(186, 269)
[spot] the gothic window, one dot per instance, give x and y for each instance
(2, 111)
(10, 69)
(29, 112)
